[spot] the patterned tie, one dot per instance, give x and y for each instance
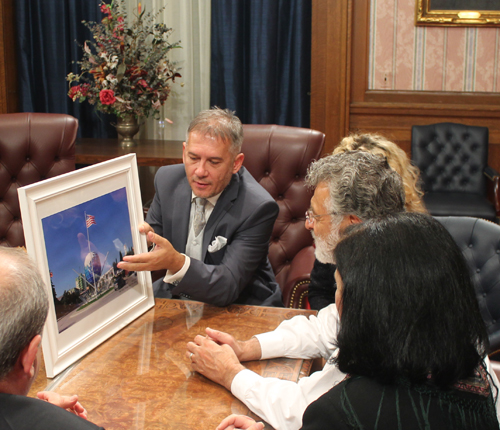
(199, 215)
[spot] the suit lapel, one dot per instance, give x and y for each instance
(223, 205)
(182, 206)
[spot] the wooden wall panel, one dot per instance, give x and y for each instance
(390, 113)
(330, 71)
(8, 73)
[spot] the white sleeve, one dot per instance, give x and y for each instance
(283, 403)
(302, 337)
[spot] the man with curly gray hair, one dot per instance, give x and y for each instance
(23, 307)
(348, 188)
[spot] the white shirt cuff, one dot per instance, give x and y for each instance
(176, 277)
(271, 345)
(243, 380)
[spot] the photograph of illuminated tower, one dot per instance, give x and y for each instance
(84, 244)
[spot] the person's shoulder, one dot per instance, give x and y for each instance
(172, 169)
(23, 412)
(172, 172)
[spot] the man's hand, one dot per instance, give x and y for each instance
(239, 422)
(245, 350)
(164, 256)
(145, 228)
(217, 362)
(71, 404)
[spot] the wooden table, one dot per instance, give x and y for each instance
(149, 152)
(141, 378)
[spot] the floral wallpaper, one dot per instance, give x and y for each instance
(406, 57)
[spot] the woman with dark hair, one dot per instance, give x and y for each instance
(411, 338)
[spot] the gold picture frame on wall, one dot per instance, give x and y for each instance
(454, 13)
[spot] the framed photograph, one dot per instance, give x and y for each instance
(458, 12)
(77, 227)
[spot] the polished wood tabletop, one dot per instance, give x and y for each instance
(141, 378)
(149, 152)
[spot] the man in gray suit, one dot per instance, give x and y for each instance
(210, 221)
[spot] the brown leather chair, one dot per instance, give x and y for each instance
(33, 147)
(278, 157)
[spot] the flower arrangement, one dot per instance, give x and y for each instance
(125, 70)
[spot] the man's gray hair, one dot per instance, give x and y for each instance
(219, 123)
(23, 305)
(359, 183)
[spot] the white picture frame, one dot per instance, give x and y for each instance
(112, 298)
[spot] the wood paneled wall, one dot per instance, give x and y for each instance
(8, 71)
(341, 101)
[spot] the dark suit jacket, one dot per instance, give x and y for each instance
(26, 413)
(245, 213)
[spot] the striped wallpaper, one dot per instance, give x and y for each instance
(406, 57)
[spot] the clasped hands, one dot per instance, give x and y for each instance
(217, 356)
(164, 256)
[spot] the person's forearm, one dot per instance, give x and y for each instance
(250, 350)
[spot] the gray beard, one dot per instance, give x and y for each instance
(324, 247)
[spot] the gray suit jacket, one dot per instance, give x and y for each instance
(245, 213)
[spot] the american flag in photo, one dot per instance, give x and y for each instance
(90, 220)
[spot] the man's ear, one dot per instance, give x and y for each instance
(184, 152)
(353, 219)
(28, 355)
(238, 162)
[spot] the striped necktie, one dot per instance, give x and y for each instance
(199, 215)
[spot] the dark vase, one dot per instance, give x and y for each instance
(127, 127)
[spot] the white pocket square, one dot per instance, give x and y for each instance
(217, 244)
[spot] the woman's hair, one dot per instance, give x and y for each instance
(396, 158)
(408, 304)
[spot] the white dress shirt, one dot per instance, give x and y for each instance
(283, 403)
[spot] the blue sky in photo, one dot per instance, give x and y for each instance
(66, 242)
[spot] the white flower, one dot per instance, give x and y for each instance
(114, 62)
(112, 79)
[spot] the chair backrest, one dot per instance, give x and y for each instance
(33, 147)
(451, 157)
(479, 241)
(278, 157)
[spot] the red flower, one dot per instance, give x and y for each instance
(84, 89)
(107, 97)
(105, 8)
(74, 92)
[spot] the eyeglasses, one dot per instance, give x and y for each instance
(312, 217)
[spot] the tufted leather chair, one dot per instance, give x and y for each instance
(278, 157)
(33, 146)
(479, 241)
(452, 159)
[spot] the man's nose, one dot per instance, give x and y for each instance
(201, 170)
